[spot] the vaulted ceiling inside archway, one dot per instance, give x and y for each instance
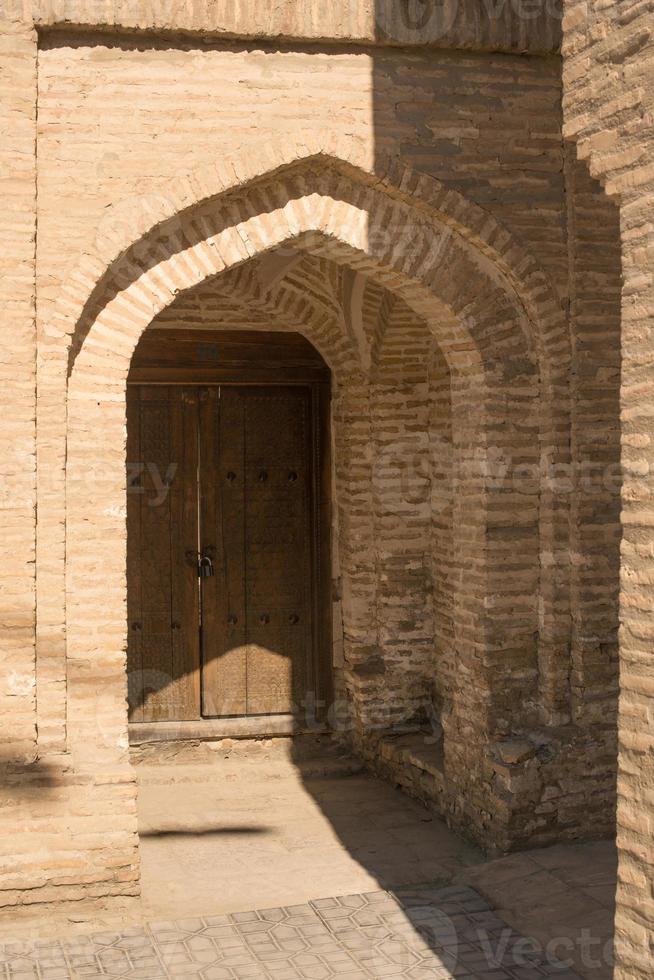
(233, 300)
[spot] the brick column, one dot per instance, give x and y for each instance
(609, 111)
(17, 388)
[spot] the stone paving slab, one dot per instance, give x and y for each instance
(418, 933)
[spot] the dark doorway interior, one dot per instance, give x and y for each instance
(228, 531)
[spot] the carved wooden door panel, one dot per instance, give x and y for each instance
(163, 653)
(257, 525)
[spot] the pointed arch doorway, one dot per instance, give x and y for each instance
(228, 517)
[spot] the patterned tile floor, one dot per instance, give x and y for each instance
(419, 933)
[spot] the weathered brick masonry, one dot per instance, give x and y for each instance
(608, 107)
(405, 198)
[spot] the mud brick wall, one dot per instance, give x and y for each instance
(608, 108)
(17, 388)
(456, 265)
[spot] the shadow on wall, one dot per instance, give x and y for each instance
(30, 781)
(422, 116)
(500, 145)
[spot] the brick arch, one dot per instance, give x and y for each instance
(485, 337)
(323, 212)
(130, 223)
(127, 232)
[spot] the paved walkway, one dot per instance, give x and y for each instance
(279, 826)
(561, 896)
(284, 823)
(418, 933)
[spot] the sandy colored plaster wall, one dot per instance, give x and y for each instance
(609, 112)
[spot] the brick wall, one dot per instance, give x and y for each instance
(608, 109)
(519, 25)
(174, 154)
(161, 121)
(17, 386)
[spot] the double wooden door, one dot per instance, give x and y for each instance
(224, 575)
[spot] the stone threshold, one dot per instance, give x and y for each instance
(209, 729)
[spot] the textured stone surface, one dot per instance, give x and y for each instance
(294, 808)
(562, 895)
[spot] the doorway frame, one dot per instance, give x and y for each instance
(465, 276)
(316, 378)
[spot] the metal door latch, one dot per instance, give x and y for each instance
(205, 567)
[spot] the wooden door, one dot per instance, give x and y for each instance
(163, 653)
(229, 474)
(258, 514)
